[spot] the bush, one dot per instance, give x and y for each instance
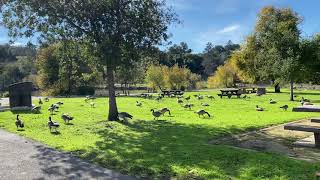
(172, 77)
(225, 76)
(155, 76)
(201, 85)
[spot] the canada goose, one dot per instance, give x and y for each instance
(304, 100)
(54, 125)
(259, 108)
(210, 97)
(52, 108)
(245, 97)
(188, 105)
(164, 110)
(124, 116)
(46, 99)
(187, 98)
(205, 104)
(40, 101)
(138, 103)
(271, 101)
(36, 109)
(202, 113)
(158, 98)
(67, 118)
(180, 101)
(285, 107)
(199, 97)
(172, 95)
(59, 103)
(56, 106)
(90, 97)
(19, 123)
(156, 114)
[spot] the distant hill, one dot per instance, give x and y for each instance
(11, 53)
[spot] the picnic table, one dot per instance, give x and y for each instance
(306, 128)
(251, 90)
(230, 92)
(171, 92)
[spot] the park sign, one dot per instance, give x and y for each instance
(20, 96)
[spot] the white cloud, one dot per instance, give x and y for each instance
(236, 33)
(229, 29)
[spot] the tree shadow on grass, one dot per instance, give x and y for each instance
(156, 149)
(59, 165)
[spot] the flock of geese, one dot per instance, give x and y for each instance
(201, 113)
(53, 108)
(184, 102)
(180, 100)
(303, 101)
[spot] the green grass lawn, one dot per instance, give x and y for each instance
(175, 146)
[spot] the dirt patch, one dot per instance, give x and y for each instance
(295, 144)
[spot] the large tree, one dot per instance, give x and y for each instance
(117, 29)
(272, 52)
(310, 59)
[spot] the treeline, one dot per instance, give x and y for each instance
(204, 64)
(16, 64)
(69, 67)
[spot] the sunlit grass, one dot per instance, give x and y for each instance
(173, 146)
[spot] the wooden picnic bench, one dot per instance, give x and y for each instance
(315, 120)
(306, 128)
(230, 92)
(251, 91)
(171, 92)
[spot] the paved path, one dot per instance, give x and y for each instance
(21, 158)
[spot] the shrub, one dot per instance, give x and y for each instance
(155, 76)
(225, 76)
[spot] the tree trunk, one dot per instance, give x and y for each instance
(113, 110)
(277, 88)
(291, 90)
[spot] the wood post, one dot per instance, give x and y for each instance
(317, 140)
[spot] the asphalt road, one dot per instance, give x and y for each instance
(22, 158)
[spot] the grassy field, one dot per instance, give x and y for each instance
(175, 146)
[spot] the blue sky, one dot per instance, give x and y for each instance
(218, 21)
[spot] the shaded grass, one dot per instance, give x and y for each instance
(174, 146)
